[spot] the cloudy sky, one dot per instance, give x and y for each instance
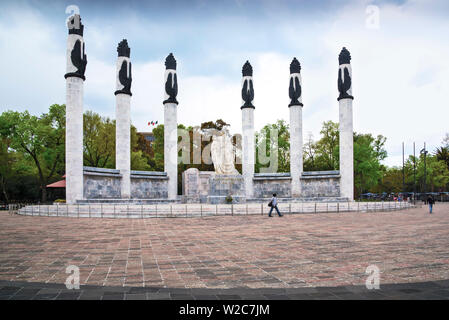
(399, 49)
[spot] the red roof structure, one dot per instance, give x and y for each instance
(57, 184)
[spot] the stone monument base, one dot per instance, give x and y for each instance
(223, 188)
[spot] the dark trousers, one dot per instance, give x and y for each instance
(271, 210)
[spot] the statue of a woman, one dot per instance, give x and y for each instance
(222, 152)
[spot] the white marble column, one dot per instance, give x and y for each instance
(123, 118)
(171, 127)
(171, 148)
(296, 139)
(74, 140)
(346, 126)
(248, 138)
(76, 65)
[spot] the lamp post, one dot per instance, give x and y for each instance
(414, 175)
(424, 151)
(403, 172)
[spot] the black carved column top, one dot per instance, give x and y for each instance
(247, 70)
(171, 83)
(124, 74)
(77, 60)
(247, 88)
(122, 49)
(294, 89)
(75, 26)
(170, 62)
(344, 75)
(295, 66)
(344, 57)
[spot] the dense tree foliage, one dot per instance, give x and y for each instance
(32, 150)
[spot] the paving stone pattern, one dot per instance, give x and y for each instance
(252, 253)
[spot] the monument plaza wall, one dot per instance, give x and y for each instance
(208, 187)
(102, 183)
(265, 184)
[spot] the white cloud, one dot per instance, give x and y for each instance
(31, 64)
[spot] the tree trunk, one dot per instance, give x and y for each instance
(4, 191)
(44, 193)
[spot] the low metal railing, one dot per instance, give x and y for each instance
(200, 210)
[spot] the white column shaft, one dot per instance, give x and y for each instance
(346, 149)
(74, 139)
(296, 149)
(171, 148)
(123, 142)
(248, 149)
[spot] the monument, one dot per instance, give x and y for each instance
(295, 106)
(87, 184)
(171, 126)
(223, 153)
(76, 67)
(123, 117)
(345, 125)
(248, 143)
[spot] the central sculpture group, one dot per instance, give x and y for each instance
(297, 184)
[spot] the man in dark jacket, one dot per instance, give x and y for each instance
(274, 205)
(430, 202)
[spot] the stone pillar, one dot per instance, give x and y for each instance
(296, 158)
(123, 118)
(171, 126)
(248, 143)
(76, 67)
(346, 128)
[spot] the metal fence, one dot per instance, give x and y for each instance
(199, 210)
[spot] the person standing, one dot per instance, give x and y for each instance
(430, 202)
(274, 205)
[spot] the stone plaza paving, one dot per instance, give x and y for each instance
(311, 255)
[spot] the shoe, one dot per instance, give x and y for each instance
(270, 216)
(281, 215)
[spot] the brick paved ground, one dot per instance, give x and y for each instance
(303, 250)
(17, 290)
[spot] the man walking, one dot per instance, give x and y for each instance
(430, 202)
(274, 205)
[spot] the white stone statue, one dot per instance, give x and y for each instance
(223, 153)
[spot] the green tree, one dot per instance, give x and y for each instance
(437, 173)
(265, 140)
(368, 154)
(391, 181)
(99, 141)
(442, 154)
(40, 138)
(327, 147)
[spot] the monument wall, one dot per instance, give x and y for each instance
(208, 187)
(102, 183)
(149, 185)
(265, 184)
(320, 184)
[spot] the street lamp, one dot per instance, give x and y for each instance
(424, 151)
(414, 174)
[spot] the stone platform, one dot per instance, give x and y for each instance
(179, 210)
